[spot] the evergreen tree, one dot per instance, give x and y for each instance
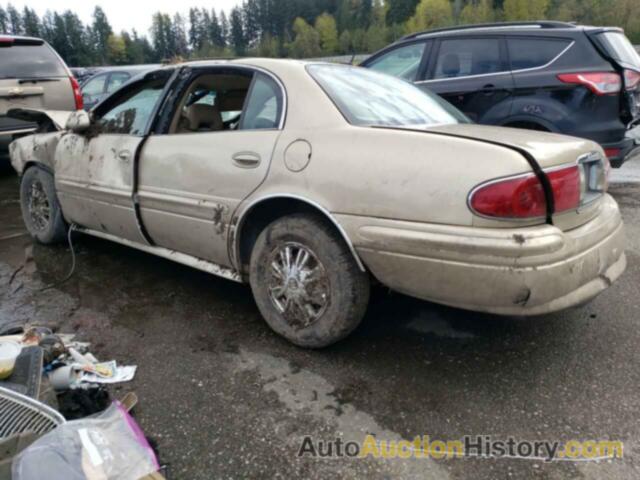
(15, 20)
(4, 21)
(236, 33)
(179, 34)
(195, 24)
(224, 28)
(400, 10)
(215, 31)
(101, 30)
(31, 22)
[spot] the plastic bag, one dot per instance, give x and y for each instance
(106, 446)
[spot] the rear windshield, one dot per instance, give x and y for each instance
(29, 61)
(368, 98)
(620, 48)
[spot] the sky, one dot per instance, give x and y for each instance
(123, 14)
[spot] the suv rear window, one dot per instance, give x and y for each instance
(532, 53)
(29, 61)
(620, 48)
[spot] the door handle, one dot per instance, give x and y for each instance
(489, 89)
(246, 159)
(124, 155)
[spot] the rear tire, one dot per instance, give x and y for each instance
(41, 211)
(306, 282)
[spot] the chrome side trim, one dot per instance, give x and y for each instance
(507, 72)
(235, 238)
(183, 258)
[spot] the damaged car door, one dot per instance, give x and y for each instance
(95, 169)
(214, 152)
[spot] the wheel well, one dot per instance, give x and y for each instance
(267, 211)
(528, 125)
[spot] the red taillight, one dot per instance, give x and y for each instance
(77, 93)
(6, 39)
(612, 152)
(631, 79)
(566, 187)
(600, 83)
(523, 196)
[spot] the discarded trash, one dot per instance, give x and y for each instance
(84, 400)
(22, 414)
(64, 378)
(107, 372)
(9, 351)
(107, 446)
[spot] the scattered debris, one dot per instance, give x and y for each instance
(107, 446)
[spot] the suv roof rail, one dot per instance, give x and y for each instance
(479, 26)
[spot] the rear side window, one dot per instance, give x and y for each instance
(462, 58)
(403, 62)
(620, 48)
(29, 61)
(531, 53)
(264, 106)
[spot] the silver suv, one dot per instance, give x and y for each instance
(32, 75)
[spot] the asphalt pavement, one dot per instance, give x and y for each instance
(224, 397)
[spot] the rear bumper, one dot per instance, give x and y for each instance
(520, 271)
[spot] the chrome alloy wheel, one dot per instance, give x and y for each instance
(39, 207)
(298, 284)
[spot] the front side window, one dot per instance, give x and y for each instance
(131, 113)
(367, 98)
(531, 53)
(403, 62)
(465, 57)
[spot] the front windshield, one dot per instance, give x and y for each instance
(368, 98)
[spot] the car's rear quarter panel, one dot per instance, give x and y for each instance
(396, 174)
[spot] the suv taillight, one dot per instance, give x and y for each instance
(600, 83)
(631, 79)
(77, 93)
(523, 196)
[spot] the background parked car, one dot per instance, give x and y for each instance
(551, 76)
(107, 81)
(32, 75)
(83, 74)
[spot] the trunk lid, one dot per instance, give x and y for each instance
(551, 152)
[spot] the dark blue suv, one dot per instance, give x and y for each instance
(551, 76)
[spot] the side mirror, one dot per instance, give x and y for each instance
(78, 121)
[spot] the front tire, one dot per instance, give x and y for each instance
(41, 211)
(306, 282)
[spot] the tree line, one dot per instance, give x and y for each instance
(291, 28)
